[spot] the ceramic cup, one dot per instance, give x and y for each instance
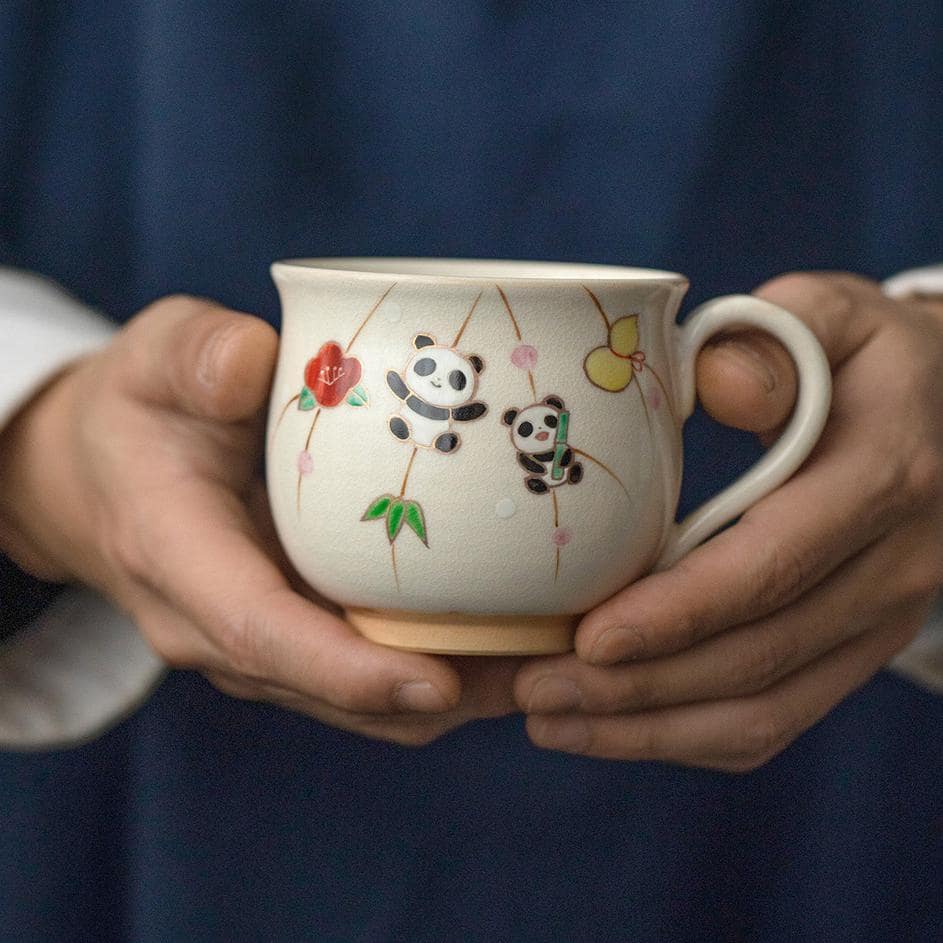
(467, 455)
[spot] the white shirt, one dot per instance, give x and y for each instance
(81, 665)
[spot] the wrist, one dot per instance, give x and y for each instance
(37, 484)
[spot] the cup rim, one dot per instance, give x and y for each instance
(436, 269)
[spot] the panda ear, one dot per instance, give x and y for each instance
(423, 340)
(477, 363)
(509, 416)
(554, 401)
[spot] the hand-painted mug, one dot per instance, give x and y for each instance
(467, 455)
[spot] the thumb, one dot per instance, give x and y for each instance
(201, 358)
(747, 380)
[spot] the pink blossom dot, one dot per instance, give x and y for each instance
(305, 463)
(561, 536)
(524, 356)
(654, 398)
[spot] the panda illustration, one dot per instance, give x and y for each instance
(539, 433)
(437, 388)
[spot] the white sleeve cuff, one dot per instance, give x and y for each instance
(916, 281)
(922, 660)
(76, 670)
(80, 666)
(43, 329)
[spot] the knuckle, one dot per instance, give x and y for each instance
(170, 648)
(771, 656)
(782, 573)
(126, 549)
(791, 284)
(240, 635)
(924, 575)
(177, 305)
(827, 292)
(234, 687)
(633, 690)
(180, 303)
(923, 477)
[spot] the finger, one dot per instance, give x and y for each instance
(747, 659)
(487, 685)
(214, 572)
(747, 380)
(736, 734)
(791, 540)
(193, 355)
(844, 311)
(405, 729)
(481, 697)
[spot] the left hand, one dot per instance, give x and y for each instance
(727, 657)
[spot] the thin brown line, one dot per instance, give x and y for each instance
(533, 386)
(507, 305)
(314, 422)
(294, 399)
(471, 311)
(663, 390)
(370, 314)
(412, 458)
(556, 524)
(598, 307)
(648, 418)
(395, 570)
(651, 430)
(605, 468)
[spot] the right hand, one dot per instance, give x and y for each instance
(136, 472)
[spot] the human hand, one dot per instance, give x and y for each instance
(136, 472)
(724, 659)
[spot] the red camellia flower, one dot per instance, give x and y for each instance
(330, 375)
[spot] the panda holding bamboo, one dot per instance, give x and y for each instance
(539, 433)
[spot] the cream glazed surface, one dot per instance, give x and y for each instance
(494, 439)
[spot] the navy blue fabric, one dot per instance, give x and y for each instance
(151, 146)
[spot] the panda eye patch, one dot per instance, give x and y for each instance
(550, 422)
(424, 366)
(525, 429)
(457, 380)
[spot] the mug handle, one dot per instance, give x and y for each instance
(793, 446)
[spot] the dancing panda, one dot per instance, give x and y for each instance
(539, 433)
(437, 388)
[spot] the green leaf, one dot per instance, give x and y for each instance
(416, 520)
(358, 396)
(306, 401)
(378, 508)
(394, 520)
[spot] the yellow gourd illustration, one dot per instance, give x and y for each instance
(612, 367)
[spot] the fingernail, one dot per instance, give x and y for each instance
(553, 693)
(560, 733)
(753, 361)
(619, 643)
(420, 696)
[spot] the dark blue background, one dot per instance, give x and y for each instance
(152, 146)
